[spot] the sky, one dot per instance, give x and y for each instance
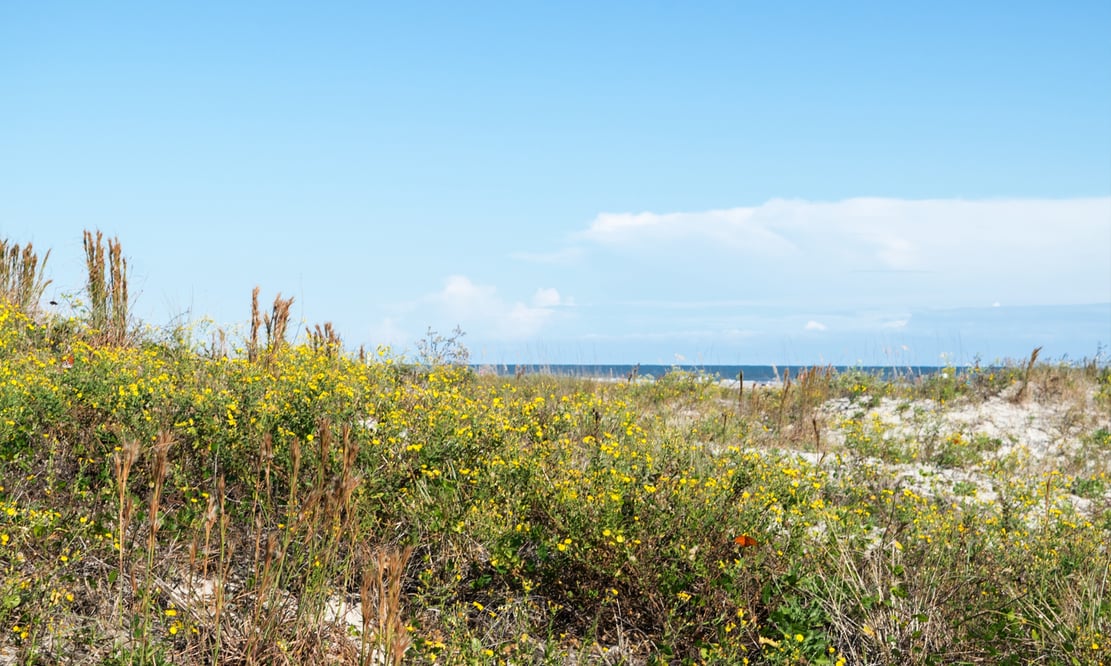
(698, 183)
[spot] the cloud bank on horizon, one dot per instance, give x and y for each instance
(751, 277)
(937, 253)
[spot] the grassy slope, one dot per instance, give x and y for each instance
(164, 505)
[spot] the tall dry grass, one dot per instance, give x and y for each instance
(106, 285)
(22, 276)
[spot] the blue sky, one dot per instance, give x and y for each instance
(587, 183)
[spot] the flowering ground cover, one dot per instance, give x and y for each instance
(163, 501)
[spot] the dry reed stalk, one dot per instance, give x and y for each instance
(21, 276)
(811, 389)
(161, 452)
(268, 611)
(227, 550)
(210, 516)
(320, 521)
(266, 462)
(256, 321)
(1021, 394)
(740, 390)
(219, 345)
(380, 593)
(342, 487)
(118, 268)
(325, 340)
(783, 397)
(94, 264)
(324, 443)
(107, 287)
(295, 451)
(122, 460)
(276, 323)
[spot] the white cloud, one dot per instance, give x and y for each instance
(815, 326)
(461, 296)
(898, 323)
(549, 298)
(481, 311)
(734, 228)
(932, 253)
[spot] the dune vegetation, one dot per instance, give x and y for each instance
(179, 496)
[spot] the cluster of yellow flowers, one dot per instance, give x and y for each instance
(594, 497)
